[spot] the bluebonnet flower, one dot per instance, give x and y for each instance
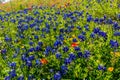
(62, 30)
(25, 27)
(36, 37)
(54, 28)
(72, 56)
(49, 18)
(31, 49)
(92, 35)
(47, 30)
(82, 37)
(63, 69)
(40, 43)
(79, 28)
(89, 18)
(38, 48)
(114, 43)
(47, 25)
(86, 27)
(116, 33)
(54, 50)
(65, 49)
(86, 54)
(12, 73)
(67, 61)
(76, 48)
(13, 64)
(8, 39)
(22, 36)
(96, 30)
(3, 51)
(83, 33)
(74, 40)
(57, 43)
(32, 57)
(80, 13)
(32, 25)
(103, 34)
(101, 20)
(61, 38)
(13, 20)
(7, 78)
(28, 63)
(37, 62)
(116, 26)
(109, 21)
(23, 57)
(79, 54)
(58, 12)
(20, 78)
(58, 55)
(101, 67)
(31, 43)
(48, 48)
(74, 19)
(96, 20)
(36, 12)
(37, 28)
(57, 76)
(14, 55)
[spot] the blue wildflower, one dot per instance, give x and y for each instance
(58, 55)
(57, 76)
(82, 37)
(3, 51)
(67, 61)
(65, 49)
(72, 56)
(96, 30)
(20, 78)
(74, 40)
(7, 78)
(114, 43)
(86, 54)
(116, 33)
(13, 64)
(76, 48)
(31, 49)
(92, 35)
(12, 73)
(79, 54)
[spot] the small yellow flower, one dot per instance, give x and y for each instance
(65, 41)
(110, 69)
(22, 46)
(71, 39)
(73, 36)
(117, 54)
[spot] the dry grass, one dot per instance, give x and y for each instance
(21, 4)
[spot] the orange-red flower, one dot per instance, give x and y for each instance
(74, 44)
(110, 69)
(43, 61)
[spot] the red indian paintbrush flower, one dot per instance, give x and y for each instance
(74, 44)
(43, 61)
